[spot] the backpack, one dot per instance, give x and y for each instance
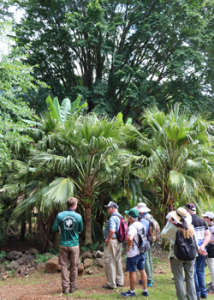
(122, 234)
(143, 244)
(154, 230)
(185, 249)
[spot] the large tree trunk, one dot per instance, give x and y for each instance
(88, 239)
(23, 230)
(30, 225)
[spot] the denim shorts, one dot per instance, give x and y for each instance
(135, 262)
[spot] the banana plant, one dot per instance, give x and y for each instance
(61, 113)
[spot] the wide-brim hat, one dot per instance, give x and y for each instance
(142, 208)
(179, 213)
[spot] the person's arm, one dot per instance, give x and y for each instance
(129, 242)
(80, 226)
(169, 231)
(207, 236)
(111, 233)
(56, 225)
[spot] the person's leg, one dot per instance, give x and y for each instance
(118, 263)
(143, 278)
(201, 275)
(149, 265)
(197, 288)
(63, 261)
(132, 280)
(110, 264)
(74, 261)
(177, 270)
(210, 263)
(131, 265)
(190, 283)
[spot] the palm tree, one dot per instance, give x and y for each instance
(78, 160)
(181, 155)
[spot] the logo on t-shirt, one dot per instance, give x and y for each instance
(69, 223)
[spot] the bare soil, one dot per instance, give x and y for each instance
(43, 286)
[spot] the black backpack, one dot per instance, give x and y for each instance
(185, 249)
(143, 244)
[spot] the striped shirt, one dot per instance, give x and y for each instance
(200, 228)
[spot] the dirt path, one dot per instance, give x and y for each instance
(41, 286)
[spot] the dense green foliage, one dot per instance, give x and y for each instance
(122, 61)
(121, 56)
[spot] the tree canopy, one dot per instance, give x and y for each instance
(121, 55)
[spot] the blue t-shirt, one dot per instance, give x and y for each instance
(112, 223)
(145, 222)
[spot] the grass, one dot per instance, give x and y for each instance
(34, 278)
(163, 289)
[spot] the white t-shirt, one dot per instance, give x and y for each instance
(211, 229)
(134, 250)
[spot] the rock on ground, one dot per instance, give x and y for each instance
(52, 265)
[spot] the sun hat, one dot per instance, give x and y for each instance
(190, 206)
(132, 213)
(111, 204)
(142, 208)
(181, 216)
(208, 214)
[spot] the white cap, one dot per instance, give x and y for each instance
(111, 204)
(208, 214)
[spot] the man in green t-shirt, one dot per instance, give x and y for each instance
(69, 224)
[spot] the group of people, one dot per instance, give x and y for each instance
(184, 221)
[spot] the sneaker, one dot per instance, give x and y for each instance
(128, 294)
(66, 292)
(140, 281)
(150, 284)
(72, 290)
(145, 294)
(209, 284)
(210, 290)
(107, 287)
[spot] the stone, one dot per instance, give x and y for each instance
(100, 262)
(99, 254)
(21, 261)
(4, 276)
(87, 254)
(88, 262)
(40, 267)
(13, 255)
(89, 272)
(20, 270)
(12, 266)
(33, 251)
(52, 265)
(80, 269)
(26, 272)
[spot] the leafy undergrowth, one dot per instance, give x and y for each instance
(48, 286)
